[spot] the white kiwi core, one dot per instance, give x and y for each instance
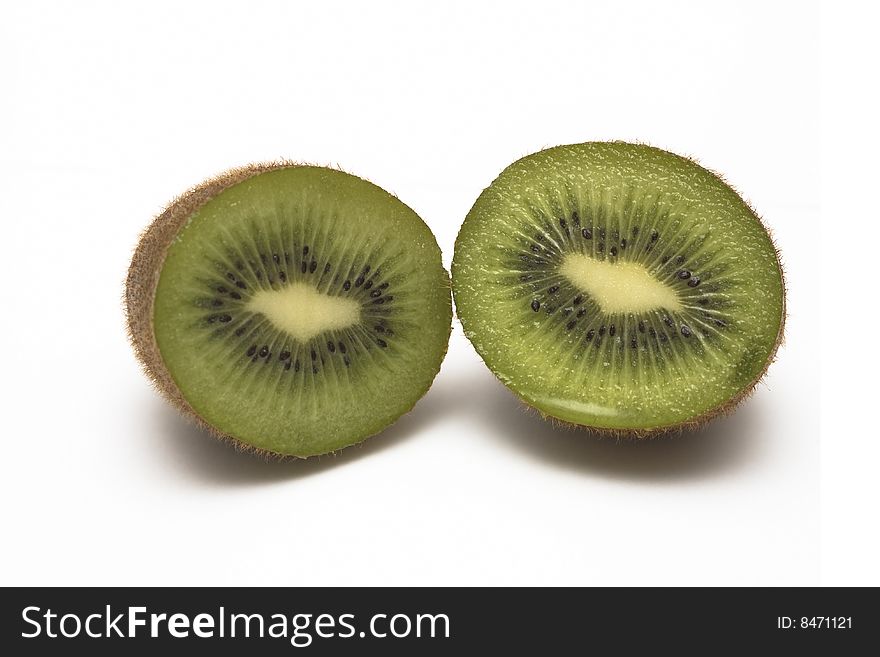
(304, 312)
(619, 287)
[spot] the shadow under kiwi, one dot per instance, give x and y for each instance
(202, 457)
(719, 448)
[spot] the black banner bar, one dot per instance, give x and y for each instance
(433, 621)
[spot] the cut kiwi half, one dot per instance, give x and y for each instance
(619, 287)
(292, 309)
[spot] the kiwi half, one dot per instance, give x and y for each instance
(619, 287)
(292, 309)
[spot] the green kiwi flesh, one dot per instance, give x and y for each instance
(293, 309)
(619, 287)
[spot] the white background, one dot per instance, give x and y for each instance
(108, 110)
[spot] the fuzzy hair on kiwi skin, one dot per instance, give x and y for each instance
(142, 281)
(700, 421)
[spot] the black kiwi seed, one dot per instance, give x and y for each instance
(383, 286)
(536, 248)
(601, 247)
(264, 351)
(623, 244)
(684, 274)
(695, 280)
(601, 330)
(612, 330)
(613, 250)
(303, 267)
(576, 218)
(581, 312)
(653, 332)
(635, 231)
(536, 305)
(282, 276)
(571, 325)
(327, 268)
(331, 347)
(379, 329)
(216, 303)
(578, 300)
(314, 355)
(590, 334)
(655, 236)
(368, 285)
(680, 260)
(251, 350)
(342, 347)
(284, 355)
(376, 294)
(313, 267)
(587, 233)
(633, 342)
(240, 284)
(668, 322)
(381, 342)
(685, 330)
(346, 286)
(296, 366)
(230, 276)
(641, 326)
(389, 298)
(553, 289)
(222, 290)
(601, 233)
(359, 281)
(346, 360)
(225, 318)
(235, 295)
(239, 331)
(305, 250)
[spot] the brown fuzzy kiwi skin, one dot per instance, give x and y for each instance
(725, 409)
(143, 279)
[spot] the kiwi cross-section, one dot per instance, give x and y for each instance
(619, 287)
(293, 309)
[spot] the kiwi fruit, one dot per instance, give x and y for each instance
(291, 309)
(619, 287)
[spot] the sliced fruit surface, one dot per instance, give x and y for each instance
(301, 310)
(619, 286)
